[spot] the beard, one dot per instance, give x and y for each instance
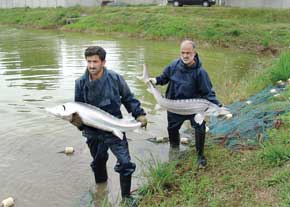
(188, 61)
(93, 71)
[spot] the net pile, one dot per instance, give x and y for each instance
(251, 118)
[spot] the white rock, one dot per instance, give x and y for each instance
(206, 129)
(184, 140)
(288, 81)
(159, 139)
(69, 150)
(8, 202)
(228, 116)
(276, 95)
(248, 102)
(273, 90)
(279, 81)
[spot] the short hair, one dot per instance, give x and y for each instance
(189, 41)
(95, 50)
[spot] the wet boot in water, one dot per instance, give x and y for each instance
(173, 153)
(174, 138)
(127, 199)
(101, 194)
(199, 144)
(100, 173)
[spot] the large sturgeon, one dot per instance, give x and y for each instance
(95, 117)
(198, 106)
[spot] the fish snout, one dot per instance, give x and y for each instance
(224, 111)
(53, 111)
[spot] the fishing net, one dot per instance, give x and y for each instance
(251, 119)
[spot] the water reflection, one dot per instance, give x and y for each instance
(28, 61)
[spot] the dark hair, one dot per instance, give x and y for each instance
(96, 50)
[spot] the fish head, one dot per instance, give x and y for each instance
(211, 111)
(62, 111)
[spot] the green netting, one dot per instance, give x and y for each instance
(251, 119)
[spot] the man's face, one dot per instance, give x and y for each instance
(187, 53)
(95, 64)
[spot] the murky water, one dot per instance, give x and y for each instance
(37, 70)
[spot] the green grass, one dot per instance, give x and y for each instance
(229, 27)
(281, 70)
(277, 150)
(260, 79)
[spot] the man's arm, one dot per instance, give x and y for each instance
(164, 77)
(130, 102)
(205, 87)
(78, 92)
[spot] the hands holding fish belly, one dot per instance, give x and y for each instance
(77, 121)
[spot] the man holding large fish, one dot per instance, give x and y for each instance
(107, 90)
(188, 82)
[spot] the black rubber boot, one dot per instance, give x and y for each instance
(127, 199)
(100, 173)
(174, 138)
(125, 183)
(199, 144)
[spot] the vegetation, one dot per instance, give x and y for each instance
(228, 27)
(279, 70)
(257, 79)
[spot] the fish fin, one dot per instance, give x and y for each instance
(198, 118)
(118, 133)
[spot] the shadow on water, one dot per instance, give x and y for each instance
(38, 70)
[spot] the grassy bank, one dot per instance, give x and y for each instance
(279, 70)
(228, 27)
